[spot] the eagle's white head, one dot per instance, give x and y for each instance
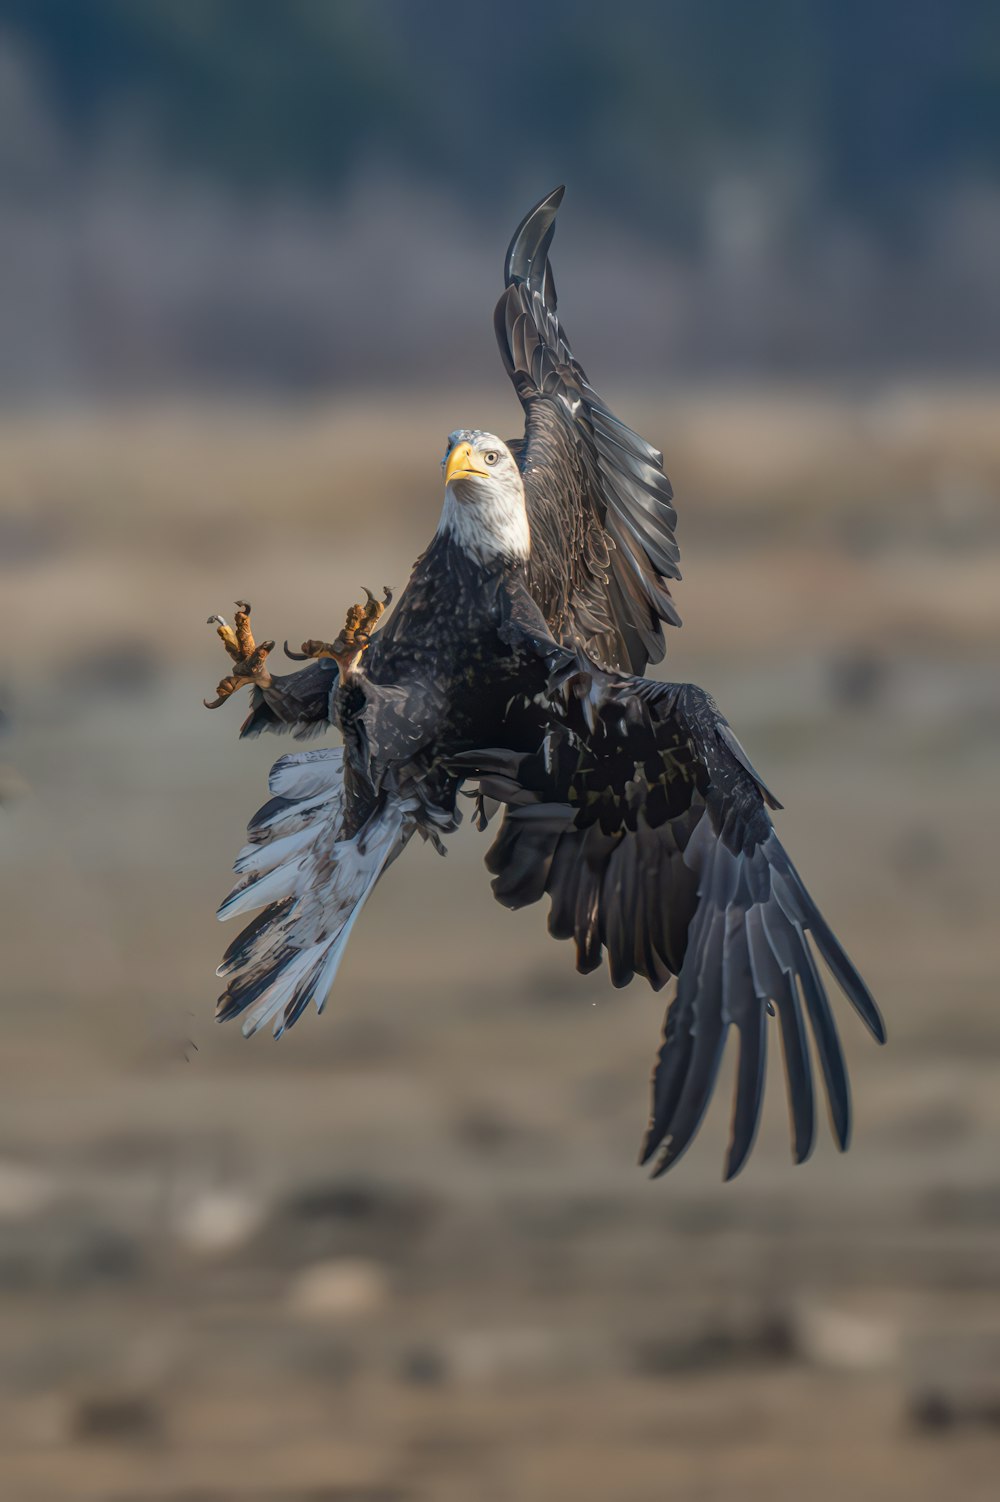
(484, 508)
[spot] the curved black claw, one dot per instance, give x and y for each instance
(295, 656)
(386, 599)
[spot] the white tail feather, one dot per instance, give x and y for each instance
(286, 816)
(257, 891)
(257, 860)
(316, 884)
(303, 774)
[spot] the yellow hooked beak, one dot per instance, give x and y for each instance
(463, 460)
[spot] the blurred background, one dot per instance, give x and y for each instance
(248, 263)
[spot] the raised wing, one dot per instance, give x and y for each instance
(642, 819)
(599, 505)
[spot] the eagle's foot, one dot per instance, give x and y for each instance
(353, 639)
(249, 657)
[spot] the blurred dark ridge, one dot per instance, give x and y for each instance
(193, 193)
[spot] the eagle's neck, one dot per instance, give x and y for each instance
(492, 530)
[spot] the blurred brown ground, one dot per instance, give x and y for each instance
(405, 1254)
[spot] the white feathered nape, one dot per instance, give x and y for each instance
(311, 883)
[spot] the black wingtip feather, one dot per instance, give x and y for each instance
(831, 1055)
(794, 897)
(530, 238)
(751, 1073)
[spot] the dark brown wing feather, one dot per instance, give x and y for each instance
(642, 818)
(599, 504)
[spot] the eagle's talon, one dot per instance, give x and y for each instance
(226, 688)
(354, 638)
(244, 632)
(258, 657)
(313, 649)
(374, 609)
(249, 657)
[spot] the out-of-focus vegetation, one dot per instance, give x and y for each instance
(236, 194)
(637, 99)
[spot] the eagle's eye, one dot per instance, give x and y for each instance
(490, 457)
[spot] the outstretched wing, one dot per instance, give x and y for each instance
(599, 505)
(643, 820)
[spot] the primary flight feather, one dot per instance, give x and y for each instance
(510, 663)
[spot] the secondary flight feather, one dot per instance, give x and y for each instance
(510, 666)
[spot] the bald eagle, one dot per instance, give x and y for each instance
(512, 664)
